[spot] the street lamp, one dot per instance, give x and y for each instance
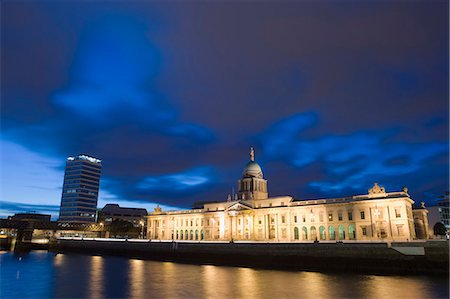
(142, 224)
(102, 230)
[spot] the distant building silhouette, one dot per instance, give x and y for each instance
(30, 217)
(111, 212)
(80, 189)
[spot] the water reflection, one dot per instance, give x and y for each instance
(395, 287)
(137, 281)
(315, 285)
(170, 278)
(82, 276)
(247, 283)
(58, 260)
(96, 277)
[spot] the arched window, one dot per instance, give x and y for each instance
(202, 234)
(296, 234)
(341, 231)
(192, 235)
(186, 235)
(322, 233)
(305, 233)
(312, 233)
(351, 232)
(196, 234)
(331, 233)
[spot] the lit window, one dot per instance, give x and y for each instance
(330, 217)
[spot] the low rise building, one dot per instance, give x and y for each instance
(111, 212)
(30, 217)
(440, 212)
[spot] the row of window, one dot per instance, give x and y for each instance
(67, 195)
(78, 209)
(307, 234)
(74, 163)
(89, 192)
(83, 174)
(377, 213)
(85, 166)
(197, 235)
(72, 199)
(81, 182)
(83, 188)
(64, 214)
(252, 185)
(75, 204)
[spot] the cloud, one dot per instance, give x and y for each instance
(8, 208)
(155, 89)
(184, 182)
(112, 81)
(350, 161)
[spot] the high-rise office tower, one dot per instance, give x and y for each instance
(80, 189)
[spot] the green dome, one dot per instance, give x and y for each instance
(252, 169)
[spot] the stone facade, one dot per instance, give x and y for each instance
(253, 215)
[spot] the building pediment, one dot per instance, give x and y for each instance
(238, 206)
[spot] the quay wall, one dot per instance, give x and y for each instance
(431, 257)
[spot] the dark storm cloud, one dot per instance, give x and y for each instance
(170, 96)
(354, 160)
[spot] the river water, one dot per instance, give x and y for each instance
(40, 274)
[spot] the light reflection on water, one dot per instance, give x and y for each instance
(96, 277)
(44, 275)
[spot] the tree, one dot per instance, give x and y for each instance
(122, 227)
(439, 229)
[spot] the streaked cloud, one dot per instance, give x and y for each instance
(352, 160)
(184, 182)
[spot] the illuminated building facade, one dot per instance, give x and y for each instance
(80, 189)
(253, 215)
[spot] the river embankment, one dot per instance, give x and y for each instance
(426, 257)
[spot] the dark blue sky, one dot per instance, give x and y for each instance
(333, 95)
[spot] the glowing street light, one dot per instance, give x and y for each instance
(142, 224)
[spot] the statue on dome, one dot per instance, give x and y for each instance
(252, 154)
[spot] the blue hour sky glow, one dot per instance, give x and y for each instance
(334, 96)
